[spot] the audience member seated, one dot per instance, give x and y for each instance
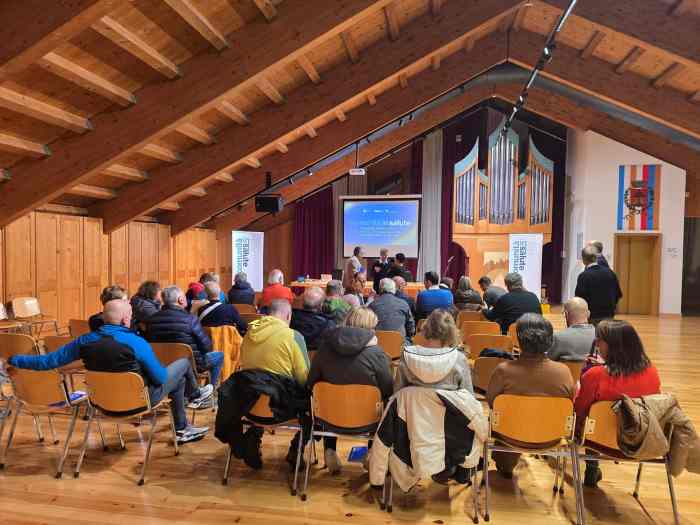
(195, 292)
(623, 368)
(115, 348)
(241, 292)
(334, 306)
(173, 324)
(209, 277)
(309, 321)
(353, 266)
(380, 268)
(433, 297)
(533, 374)
(433, 391)
(350, 355)
(401, 294)
(272, 346)
(393, 313)
(447, 283)
(216, 313)
(491, 292)
(466, 297)
(352, 300)
(146, 302)
(599, 286)
(575, 342)
(276, 289)
(398, 269)
(516, 302)
(110, 293)
(357, 288)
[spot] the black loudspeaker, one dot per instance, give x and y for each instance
(269, 203)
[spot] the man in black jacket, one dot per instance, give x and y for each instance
(599, 286)
(515, 303)
(216, 313)
(380, 267)
(241, 292)
(399, 269)
(174, 324)
(309, 321)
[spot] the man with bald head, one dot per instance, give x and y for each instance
(575, 342)
(115, 348)
(309, 321)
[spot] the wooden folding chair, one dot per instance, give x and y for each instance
(343, 410)
(121, 396)
(479, 327)
(534, 425)
(41, 393)
(478, 342)
(469, 315)
(7, 324)
(245, 308)
(575, 367)
(78, 327)
(53, 343)
(261, 416)
(391, 342)
(483, 370)
(513, 334)
(249, 318)
(600, 437)
(28, 312)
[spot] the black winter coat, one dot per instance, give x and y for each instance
(175, 325)
(511, 306)
(312, 325)
(241, 293)
(600, 288)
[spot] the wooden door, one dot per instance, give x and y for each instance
(164, 259)
(94, 260)
(70, 269)
(149, 251)
(638, 269)
(135, 256)
(20, 276)
(47, 268)
(119, 257)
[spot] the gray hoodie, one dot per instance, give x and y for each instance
(440, 368)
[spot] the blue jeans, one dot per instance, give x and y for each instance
(214, 362)
(180, 385)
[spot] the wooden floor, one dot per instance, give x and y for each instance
(187, 489)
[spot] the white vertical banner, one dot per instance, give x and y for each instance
(525, 258)
(247, 251)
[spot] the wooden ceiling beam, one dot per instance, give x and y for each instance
(392, 22)
(223, 177)
(253, 162)
(86, 79)
(159, 152)
(196, 133)
(270, 91)
(309, 69)
(645, 21)
(115, 31)
(194, 17)
(267, 8)
(435, 6)
(231, 111)
(24, 147)
(340, 115)
(4, 175)
(169, 206)
(33, 28)
(309, 102)
(668, 74)
(593, 44)
(39, 110)
(425, 86)
(197, 191)
(282, 147)
(95, 192)
(598, 78)
(629, 60)
(350, 46)
(403, 80)
(520, 18)
(119, 171)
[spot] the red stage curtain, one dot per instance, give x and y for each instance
(314, 243)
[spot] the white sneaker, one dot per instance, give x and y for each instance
(190, 433)
(205, 393)
(332, 461)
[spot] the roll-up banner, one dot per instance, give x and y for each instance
(525, 258)
(247, 251)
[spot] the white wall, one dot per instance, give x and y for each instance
(592, 165)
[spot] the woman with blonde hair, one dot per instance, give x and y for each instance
(350, 355)
(466, 297)
(438, 361)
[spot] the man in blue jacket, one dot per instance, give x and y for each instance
(433, 297)
(176, 381)
(174, 324)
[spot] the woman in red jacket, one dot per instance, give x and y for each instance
(625, 369)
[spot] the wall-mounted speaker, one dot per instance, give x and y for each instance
(269, 203)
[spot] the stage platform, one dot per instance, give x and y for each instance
(187, 489)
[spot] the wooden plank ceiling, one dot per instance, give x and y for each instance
(176, 109)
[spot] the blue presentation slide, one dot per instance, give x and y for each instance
(376, 224)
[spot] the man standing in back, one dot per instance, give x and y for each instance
(516, 302)
(599, 287)
(574, 343)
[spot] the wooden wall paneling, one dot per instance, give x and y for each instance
(70, 268)
(2, 266)
(181, 273)
(47, 250)
(94, 259)
(200, 252)
(211, 247)
(193, 256)
(135, 256)
(119, 257)
(278, 250)
(164, 259)
(149, 251)
(223, 257)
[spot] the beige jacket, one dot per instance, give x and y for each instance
(642, 423)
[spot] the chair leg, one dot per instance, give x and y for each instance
(83, 448)
(635, 494)
(555, 488)
(148, 450)
(174, 432)
(562, 477)
(5, 415)
(122, 445)
(300, 447)
(485, 477)
(390, 502)
(227, 468)
(578, 487)
(672, 491)
(18, 409)
(475, 495)
(308, 469)
(102, 434)
(52, 429)
(39, 430)
(66, 445)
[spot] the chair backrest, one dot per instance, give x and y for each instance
(24, 307)
(249, 318)
(391, 342)
(347, 406)
(601, 425)
(168, 353)
(477, 342)
(39, 387)
(513, 334)
(533, 420)
(469, 315)
(54, 342)
(78, 327)
(117, 391)
(245, 308)
(483, 370)
(479, 327)
(16, 344)
(575, 367)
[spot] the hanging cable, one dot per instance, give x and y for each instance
(545, 58)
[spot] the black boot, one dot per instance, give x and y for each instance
(593, 476)
(252, 443)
